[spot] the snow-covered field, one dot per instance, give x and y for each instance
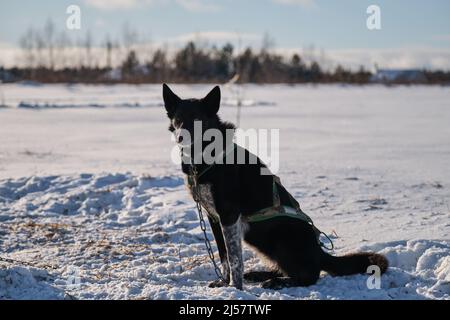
(91, 205)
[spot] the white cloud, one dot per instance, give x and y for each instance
(116, 4)
(394, 58)
(199, 5)
(442, 37)
(189, 5)
(100, 23)
(398, 58)
(216, 37)
(8, 54)
(303, 3)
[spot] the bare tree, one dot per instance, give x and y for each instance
(146, 48)
(27, 43)
(87, 45)
(268, 43)
(129, 37)
(40, 47)
(108, 45)
(49, 35)
(62, 50)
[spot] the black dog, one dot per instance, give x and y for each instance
(233, 193)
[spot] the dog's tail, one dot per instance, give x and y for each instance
(352, 263)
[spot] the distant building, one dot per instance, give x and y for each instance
(399, 76)
(114, 74)
(6, 76)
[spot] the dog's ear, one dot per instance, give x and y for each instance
(212, 101)
(171, 100)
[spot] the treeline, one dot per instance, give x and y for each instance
(49, 57)
(192, 64)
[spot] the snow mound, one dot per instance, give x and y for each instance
(122, 236)
(420, 268)
(27, 283)
(115, 197)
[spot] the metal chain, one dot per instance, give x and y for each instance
(203, 224)
(27, 263)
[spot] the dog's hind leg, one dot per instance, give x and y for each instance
(297, 255)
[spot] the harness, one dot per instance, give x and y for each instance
(278, 209)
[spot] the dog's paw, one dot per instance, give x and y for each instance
(274, 284)
(237, 285)
(259, 276)
(217, 284)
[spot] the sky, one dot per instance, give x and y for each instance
(414, 33)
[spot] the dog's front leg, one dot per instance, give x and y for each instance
(227, 200)
(218, 235)
(232, 234)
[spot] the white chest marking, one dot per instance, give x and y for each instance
(207, 200)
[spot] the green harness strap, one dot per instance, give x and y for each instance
(293, 211)
(279, 210)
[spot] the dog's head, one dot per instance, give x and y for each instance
(183, 113)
